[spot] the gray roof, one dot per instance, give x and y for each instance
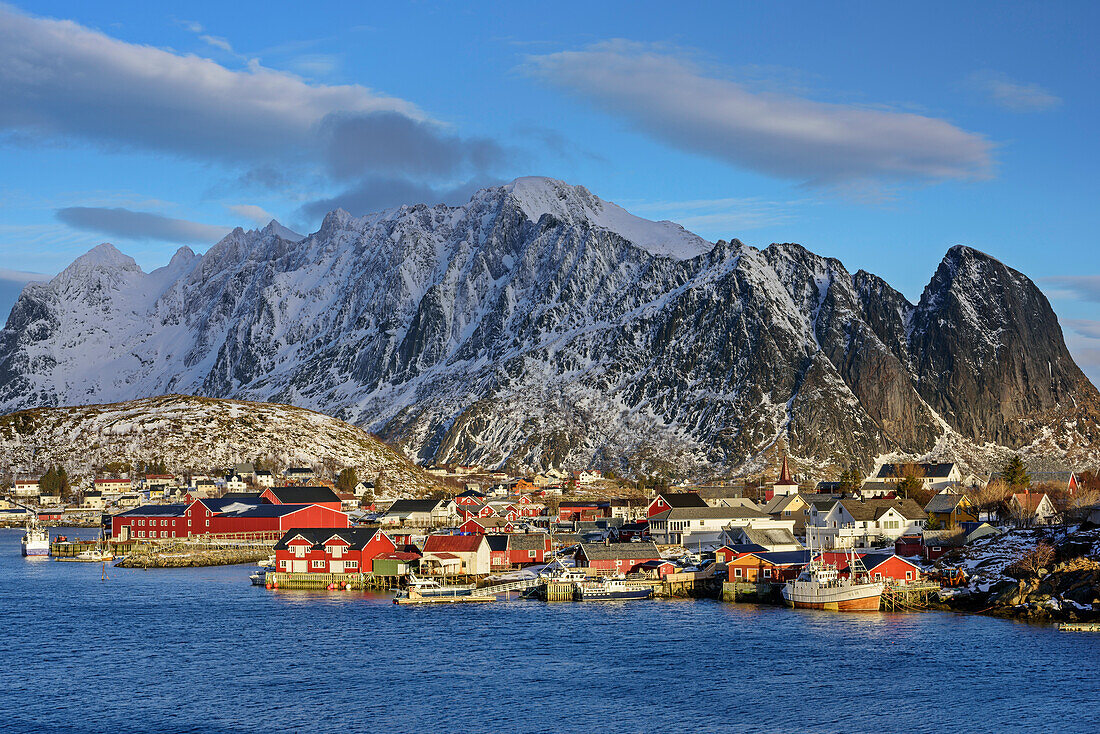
(618, 551)
(933, 471)
(527, 541)
(407, 507)
(952, 538)
(709, 513)
(303, 495)
(767, 537)
(944, 502)
(682, 499)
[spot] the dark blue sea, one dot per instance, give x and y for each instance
(201, 650)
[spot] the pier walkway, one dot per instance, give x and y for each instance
(503, 588)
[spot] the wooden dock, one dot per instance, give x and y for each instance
(909, 597)
(1079, 626)
(343, 581)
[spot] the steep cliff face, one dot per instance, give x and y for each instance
(538, 325)
(987, 350)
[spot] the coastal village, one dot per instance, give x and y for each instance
(912, 531)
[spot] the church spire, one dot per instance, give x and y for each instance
(785, 473)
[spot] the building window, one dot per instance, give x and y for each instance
(350, 564)
(530, 554)
(908, 575)
(767, 573)
(283, 564)
(141, 533)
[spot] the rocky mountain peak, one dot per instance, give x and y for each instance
(540, 325)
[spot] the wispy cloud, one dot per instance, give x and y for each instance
(251, 212)
(1085, 327)
(1075, 287)
(727, 215)
(1012, 95)
(314, 65)
(132, 225)
(217, 42)
(671, 98)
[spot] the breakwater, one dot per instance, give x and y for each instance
(152, 558)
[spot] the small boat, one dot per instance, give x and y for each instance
(36, 539)
(610, 589)
(95, 555)
(820, 586)
(260, 577)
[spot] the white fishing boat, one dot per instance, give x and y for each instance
(820, 586)
(95, 555)
(36, 539)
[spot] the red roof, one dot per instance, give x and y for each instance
(1030, 500)
(453, 543)
(401, 556)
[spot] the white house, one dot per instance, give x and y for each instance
(588, 476)
(93, 500)
(692, 526)
(470, 551)
(264, 478)
(862, 524)
(934, 476)
(420, 513)
(234, 483)
(1033, 507)
(25, 488)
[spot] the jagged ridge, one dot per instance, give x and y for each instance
(540, 325)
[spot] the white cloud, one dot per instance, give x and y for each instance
(58, 78)
(1012, 95)
(672, 99)
(251, 212)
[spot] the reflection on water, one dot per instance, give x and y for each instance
(203, 650)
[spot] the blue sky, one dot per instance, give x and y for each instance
(878, 135)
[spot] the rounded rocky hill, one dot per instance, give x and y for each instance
(199, 434)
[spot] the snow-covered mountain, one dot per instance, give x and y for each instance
(538, 325)
(200, 434)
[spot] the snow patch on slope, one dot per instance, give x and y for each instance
(537, 195)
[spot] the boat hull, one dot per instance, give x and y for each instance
(866, 604)
(618, 595)
(859, 598)
(39, 550)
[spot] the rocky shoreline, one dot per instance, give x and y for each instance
(1042, 575)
